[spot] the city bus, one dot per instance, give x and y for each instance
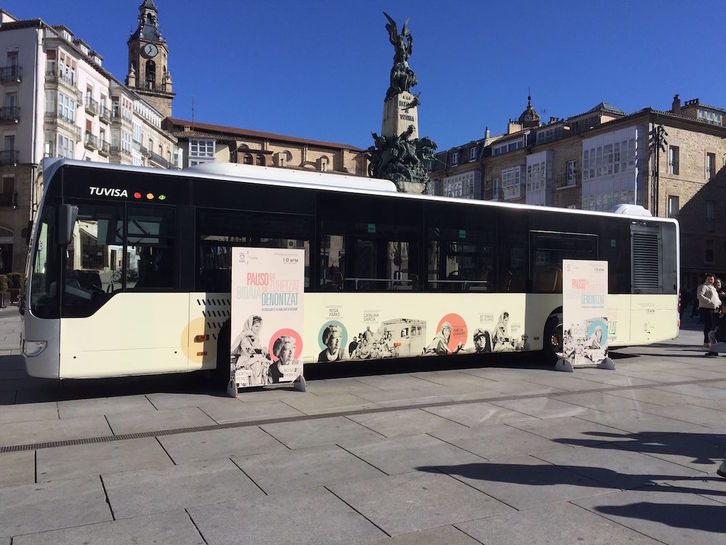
(129, 269)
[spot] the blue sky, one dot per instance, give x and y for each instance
(319, 68)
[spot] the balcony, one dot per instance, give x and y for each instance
(10, 74)
(91, 106)
(61, 120)
(9, 115)
(104, 114)
(159, 160)
(120, 152)
(104, 148)
(9, 199)
(68, 79)
(91, 141)
(120, 116)
(9, 157)
(145, 152)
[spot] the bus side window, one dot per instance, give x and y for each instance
(151, 248)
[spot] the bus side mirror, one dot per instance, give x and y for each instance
(67, 216)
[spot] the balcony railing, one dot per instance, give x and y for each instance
(91, 106)
(159, 160)
(65, 122)
(156, 87)
(116, 149)
(53, 75)
(91, 141)
(11, 73)
(9, 157)
(104, 113)
(104, 148)
(9, 114)
(9, 199)
(145, 152)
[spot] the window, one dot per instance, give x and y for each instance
(65, 146)
(708, 257)
(201, 151)
(7, 191)
(137, 134)
(710, 216)
(511, 183)
(673, 206)
(548, 251)
(218, 231)
(472, 154)
(126, 141)
(461, 250)
(66, 108)
(455, 158)
(585, 165)
(710, 165)
(571, 171)
(150, 251)
(673, 160)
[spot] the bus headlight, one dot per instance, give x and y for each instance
(33, 348)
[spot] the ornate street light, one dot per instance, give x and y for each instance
(656, 143)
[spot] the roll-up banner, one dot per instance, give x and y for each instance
(267, 316)
(585, 329)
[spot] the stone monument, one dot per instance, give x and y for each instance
(399, 154)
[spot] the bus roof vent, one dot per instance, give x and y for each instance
(631, 210)
(293, 176)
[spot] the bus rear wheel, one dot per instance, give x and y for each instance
(553, 340)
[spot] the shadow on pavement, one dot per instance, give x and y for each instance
(700, 448)
(709, 518)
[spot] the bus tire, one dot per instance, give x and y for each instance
(552, 341)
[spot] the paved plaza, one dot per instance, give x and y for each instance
(504, 454)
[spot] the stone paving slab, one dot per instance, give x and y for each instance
(180, 400)
(654, 397)
(405, 454)
(616, 468)
(479, 414)
(709, 486)
(172, 528)
(28, 412)
(696, 390)
(557, 523)
(321, 431)
(324, 387)
(416, 501)
(214, 444)
(608, 378)
(331, 403)
(522, 481)
(691, 414)
(541, 407)
(571, 430)
(314, 517)
(404, 381)
(17, 468)
(602, 401)
(135, 493)
(104, 406)
(49, 506)
(405, 422)
(281, 472)
(564, 381)
(671, 517)
(443, 535)
(23, 433)
(75, 461)
(123, 423)
(497, 440)
(235, 411)
(639, 422)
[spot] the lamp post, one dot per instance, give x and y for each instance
(656, 143)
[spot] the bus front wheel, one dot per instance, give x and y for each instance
(553, 340)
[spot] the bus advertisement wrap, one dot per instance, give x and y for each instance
(267, 316)
(585, 313)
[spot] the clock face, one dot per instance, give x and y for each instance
(150, 50)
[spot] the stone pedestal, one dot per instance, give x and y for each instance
(411, 187)
(396, 119)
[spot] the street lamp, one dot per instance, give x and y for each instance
(656, 143)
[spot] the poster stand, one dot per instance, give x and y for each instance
(299, 385)
(566, 366)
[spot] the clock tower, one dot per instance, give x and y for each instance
(148, 57)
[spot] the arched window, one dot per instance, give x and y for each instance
(150, 74)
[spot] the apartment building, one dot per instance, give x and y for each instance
(59, 101)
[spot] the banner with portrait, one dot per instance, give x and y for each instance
(267, 316)
(585, 328)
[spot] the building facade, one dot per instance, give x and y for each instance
(602, 158)
(59, 101)
(204, 142)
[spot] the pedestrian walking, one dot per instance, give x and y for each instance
(708, 304)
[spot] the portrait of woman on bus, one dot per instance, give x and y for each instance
(502, 338)
(439, 345)
(333, 340)
(248, 352)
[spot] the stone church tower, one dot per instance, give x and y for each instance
(148, 57)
